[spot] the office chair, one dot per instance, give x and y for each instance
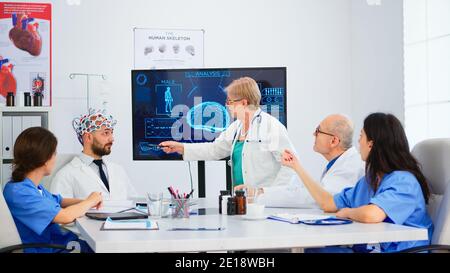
(434, 158)
(9, 236)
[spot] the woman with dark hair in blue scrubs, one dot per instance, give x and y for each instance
(36, 212)
(394, 190)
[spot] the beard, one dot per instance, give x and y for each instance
(101, 150)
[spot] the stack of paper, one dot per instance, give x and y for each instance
(296, 218)
(144, 224)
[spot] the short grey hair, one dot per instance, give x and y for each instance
(342, 127)
(246, 88)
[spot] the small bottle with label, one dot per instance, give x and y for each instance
(222, 193)
(27, 99)
(37, 99)
(224, 204)
(231, 206)
(241, 203)
(10, 99)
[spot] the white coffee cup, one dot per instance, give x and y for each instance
(255, 211)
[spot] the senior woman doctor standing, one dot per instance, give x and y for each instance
(254, 141)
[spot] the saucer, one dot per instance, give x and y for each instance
(248, 217)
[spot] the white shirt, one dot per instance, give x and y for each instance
(344, 173)
(89, 161)
(77, 179)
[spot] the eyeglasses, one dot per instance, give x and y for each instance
(317, 131)
(228, 101)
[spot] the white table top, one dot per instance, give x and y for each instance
(240, 234)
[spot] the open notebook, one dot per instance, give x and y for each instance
(137, 224)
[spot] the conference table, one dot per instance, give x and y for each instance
(239, 234)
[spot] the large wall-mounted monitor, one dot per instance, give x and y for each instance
(188, 105)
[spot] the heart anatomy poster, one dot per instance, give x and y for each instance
(168, 48)
(25, 51)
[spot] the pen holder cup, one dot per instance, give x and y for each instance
(180, 208)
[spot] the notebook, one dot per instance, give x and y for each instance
(139, 224)
(296, 218)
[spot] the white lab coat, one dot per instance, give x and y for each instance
(261, 155)
(78, 180)
(344, 173)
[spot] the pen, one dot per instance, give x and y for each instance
(189, 194)
(171, 191)
(196, 229)
(125, 210)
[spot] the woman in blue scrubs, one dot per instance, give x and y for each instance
(394, 190)
(36, 212)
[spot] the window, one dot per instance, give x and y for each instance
(427, 69)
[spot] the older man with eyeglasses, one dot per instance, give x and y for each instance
(333, 140)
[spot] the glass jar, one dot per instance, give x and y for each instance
(37, 99)
(27, 99)
(231, 206)
(241, 203)
(10, 99)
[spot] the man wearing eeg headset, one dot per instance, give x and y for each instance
(254, 141)
(90, 170)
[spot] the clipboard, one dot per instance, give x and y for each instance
(131, 225)
(327, 222)
(313, 220)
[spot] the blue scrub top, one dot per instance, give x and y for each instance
(33, 214)
(400, 196)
